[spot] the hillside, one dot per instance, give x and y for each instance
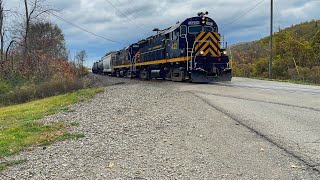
(296, 54)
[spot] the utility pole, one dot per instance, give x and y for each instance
(271, 42)
(1, 31)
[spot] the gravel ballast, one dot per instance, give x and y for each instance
(146, 130)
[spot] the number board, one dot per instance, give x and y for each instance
(193, 22)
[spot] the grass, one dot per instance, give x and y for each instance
(19, 127)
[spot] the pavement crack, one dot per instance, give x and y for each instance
(309, 163)
(314, 142)
(254, 100)
(301, 91)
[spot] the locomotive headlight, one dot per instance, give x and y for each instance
(201, 52)
(224, 52)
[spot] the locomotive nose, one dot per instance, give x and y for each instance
(208, 44)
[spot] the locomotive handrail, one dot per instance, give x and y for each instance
(186, 37)
(193, 49)
(152, 51)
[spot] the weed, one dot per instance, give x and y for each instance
(5, 165)
(66, 136)
(75, 124)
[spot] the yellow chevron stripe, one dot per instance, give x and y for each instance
(203, 39)
(219, 38)
(211, 52)
(206, 38)
(206, 45)
(218, 35)
(217, 49)
(203, 48)
(199, 36)
(211, 46)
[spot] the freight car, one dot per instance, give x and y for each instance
(188, 51)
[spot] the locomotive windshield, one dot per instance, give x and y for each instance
(208, 29)
(195, 29)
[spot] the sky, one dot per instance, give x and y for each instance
(128, 21)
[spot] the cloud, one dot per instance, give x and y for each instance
(138, 17)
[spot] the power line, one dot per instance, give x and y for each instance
(123, 14)
(83, 29)
(79, 27)
(139, 11)
(245, 13)
(138, 14)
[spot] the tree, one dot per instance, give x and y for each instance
(261, 67)
(36, 10)
(47, 38)
(46, 46)
(33, 11)
(80, 58)
(1, 34)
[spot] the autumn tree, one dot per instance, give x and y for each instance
(34, 11)
(48, 38)
(46, 46)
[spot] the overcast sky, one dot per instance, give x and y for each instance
(137, 18)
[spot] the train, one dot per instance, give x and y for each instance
(187, 51)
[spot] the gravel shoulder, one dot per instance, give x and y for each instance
(147, 130)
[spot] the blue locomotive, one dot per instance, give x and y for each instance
(188, 51)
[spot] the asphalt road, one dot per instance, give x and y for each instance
(286, 114)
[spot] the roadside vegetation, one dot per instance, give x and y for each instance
(296, 55)
(34, 60)
(38, 77)
(20, 129)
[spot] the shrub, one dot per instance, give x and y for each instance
(306, 74)
(58, 84)
(4, 87)
(25, 93)
(261, 68)
(85, 82)
(314, 75)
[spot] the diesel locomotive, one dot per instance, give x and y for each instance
(188, 51)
